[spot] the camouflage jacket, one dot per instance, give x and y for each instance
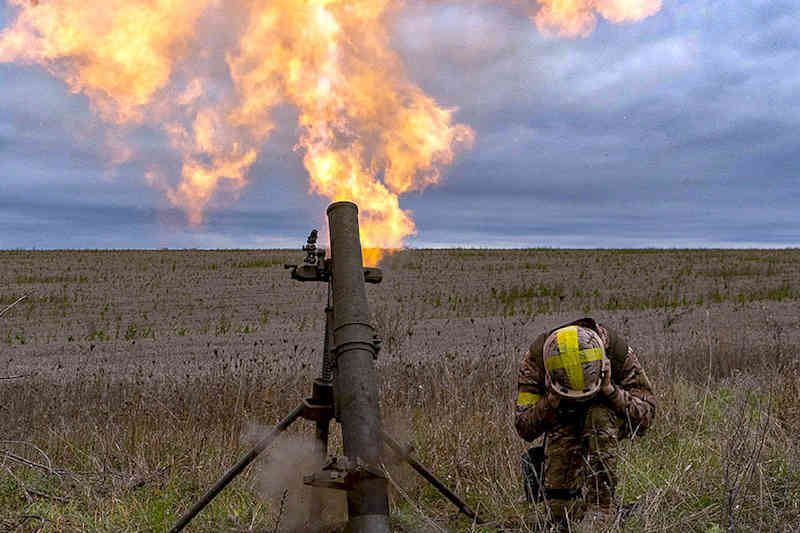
(633, 399)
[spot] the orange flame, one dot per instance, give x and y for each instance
(368, 134)
(118, 52)
(572, 18)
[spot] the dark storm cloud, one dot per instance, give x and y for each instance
(678, 130)
(673, 224)
(98, 225)
(681, 126)
(59, 187)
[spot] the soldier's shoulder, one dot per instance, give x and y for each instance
(531, 366)
(606, 333)
(536, 347)
(585, 322)
(617, 346)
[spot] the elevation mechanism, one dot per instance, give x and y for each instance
(346, 389)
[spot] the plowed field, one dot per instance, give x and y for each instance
(132, 379)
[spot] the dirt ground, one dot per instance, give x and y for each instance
(166, 313)
(144, 374)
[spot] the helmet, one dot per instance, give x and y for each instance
(574, 361)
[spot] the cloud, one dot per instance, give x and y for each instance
(28, 224)
(638, 117)
(678, 130)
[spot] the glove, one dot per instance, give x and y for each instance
(615, 397)
(551, 399)
(607, 387)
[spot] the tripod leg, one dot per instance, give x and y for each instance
(430, 478)
(237, 469)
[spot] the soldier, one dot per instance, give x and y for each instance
(584, 388)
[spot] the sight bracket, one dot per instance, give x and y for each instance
(316, 267)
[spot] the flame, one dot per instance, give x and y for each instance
(118, 52)
(572, 18)
(367, 133)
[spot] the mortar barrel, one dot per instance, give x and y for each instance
(356, 384)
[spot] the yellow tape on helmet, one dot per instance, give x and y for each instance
(572, 357)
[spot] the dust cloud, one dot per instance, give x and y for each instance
(280, 482)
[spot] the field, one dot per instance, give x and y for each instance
(130, 380)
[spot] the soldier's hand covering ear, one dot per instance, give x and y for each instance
(552, 399)
(616, 397)
(607, 387)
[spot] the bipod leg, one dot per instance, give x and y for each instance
(430, 478)
(237, 469)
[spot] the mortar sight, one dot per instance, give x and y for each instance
(316, 267)
(314, 255)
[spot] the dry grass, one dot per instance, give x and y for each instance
(141, 376)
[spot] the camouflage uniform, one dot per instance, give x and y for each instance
(581, 445)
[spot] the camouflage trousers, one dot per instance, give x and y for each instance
(581, 463)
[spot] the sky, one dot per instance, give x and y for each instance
(676, 131)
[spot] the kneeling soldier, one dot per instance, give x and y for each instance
(583, 386)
